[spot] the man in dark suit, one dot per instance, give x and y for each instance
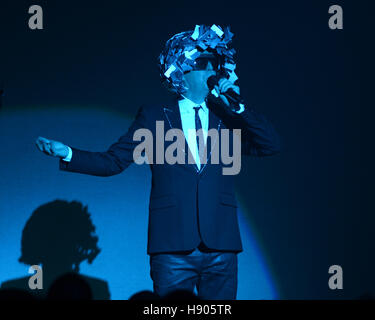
(193, 233)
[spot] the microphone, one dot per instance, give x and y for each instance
(230, 94)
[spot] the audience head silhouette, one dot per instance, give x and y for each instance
(181, 295)
(70, 286)
(144, 295)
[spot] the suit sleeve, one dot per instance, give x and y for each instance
(113, 161)
(258, 136)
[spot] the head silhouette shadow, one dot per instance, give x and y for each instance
(59, 236)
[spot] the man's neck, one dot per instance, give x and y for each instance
(197, 99)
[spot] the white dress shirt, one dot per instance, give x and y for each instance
(187, 113)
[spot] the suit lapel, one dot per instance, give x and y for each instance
(172, 114)
(213, 123)
(173, 120)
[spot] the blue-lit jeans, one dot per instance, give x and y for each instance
(214, 274)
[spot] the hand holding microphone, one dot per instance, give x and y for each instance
(229, 93)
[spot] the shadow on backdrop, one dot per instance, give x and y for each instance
(59, 236)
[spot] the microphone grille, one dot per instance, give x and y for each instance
(212, 81)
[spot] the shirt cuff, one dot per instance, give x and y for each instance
(69, 156)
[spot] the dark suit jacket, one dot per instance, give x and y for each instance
(186, 206)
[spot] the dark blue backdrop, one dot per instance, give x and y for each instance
(81, 79)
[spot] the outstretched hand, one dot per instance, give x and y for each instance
(51, 147)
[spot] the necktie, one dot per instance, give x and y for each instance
(198, 126)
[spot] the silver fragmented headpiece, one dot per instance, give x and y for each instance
(183, 48)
